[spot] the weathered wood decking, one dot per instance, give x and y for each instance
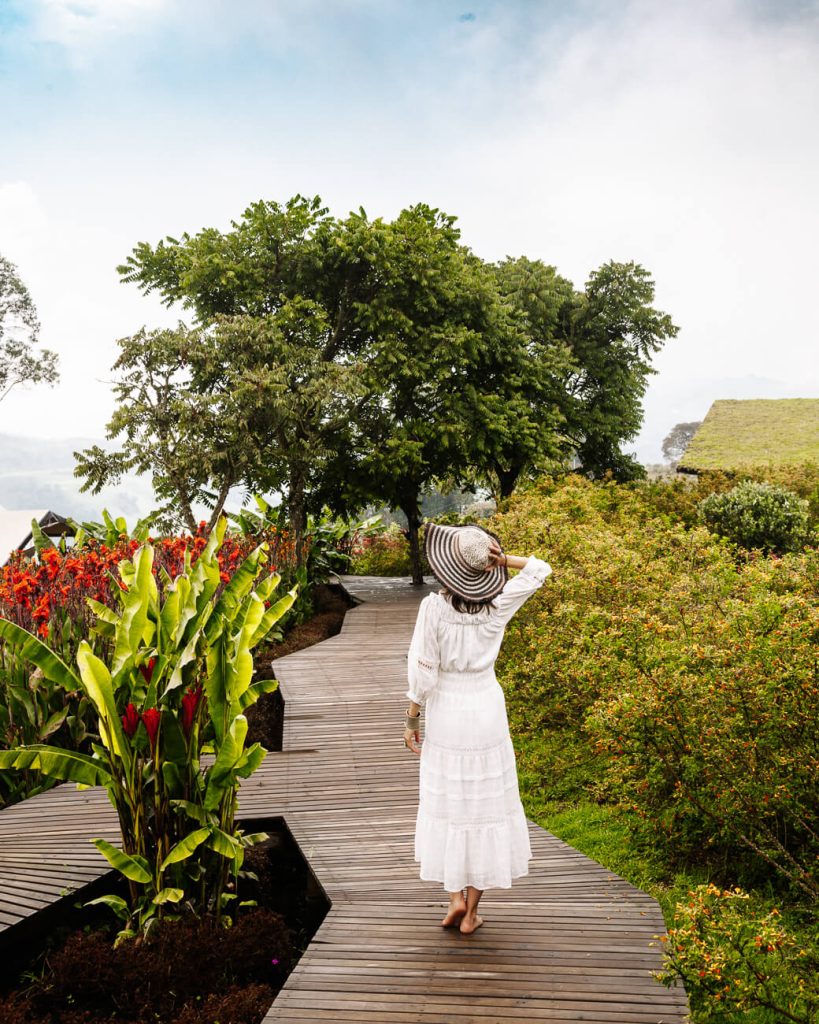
(571, 942)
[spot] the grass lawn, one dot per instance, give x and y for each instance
(756, 431)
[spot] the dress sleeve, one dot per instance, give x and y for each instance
(423, 656)
(520, 588)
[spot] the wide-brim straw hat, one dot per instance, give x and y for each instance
(458, 556)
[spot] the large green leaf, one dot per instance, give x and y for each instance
(33, 650)
(229, 753)
(195, 811)
(67, 765)
(97, 684)
(41, 541)
(116, 903)
(134, 622)
(236, 591)
(257, 690)
(102, 611)
(225, 845)
(250, 761)
(169, 896)
(272, 616)
(185, 847)
(131, 865)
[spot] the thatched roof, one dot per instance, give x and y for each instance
(738, 433)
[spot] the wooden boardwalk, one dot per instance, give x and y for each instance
(570, 942)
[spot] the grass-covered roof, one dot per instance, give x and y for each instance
(753, 431)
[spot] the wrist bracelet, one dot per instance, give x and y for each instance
(413, 723)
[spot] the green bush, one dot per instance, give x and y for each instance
(382, 554)
(758, 515)
(691, 676)
(737, 959)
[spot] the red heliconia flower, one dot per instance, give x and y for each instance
(190, 703)
(151, 717)
(130, 721)
(147, 669)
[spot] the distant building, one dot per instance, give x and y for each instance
(738, 433)
(15, 529)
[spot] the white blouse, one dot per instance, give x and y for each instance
(448, 641)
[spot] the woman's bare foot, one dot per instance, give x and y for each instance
(457, 909)
(470, 923)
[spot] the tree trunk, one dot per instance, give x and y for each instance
(220, 503)
(412, 510)
(507, 479)
(297, 511)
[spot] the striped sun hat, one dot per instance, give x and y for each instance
(458, 556)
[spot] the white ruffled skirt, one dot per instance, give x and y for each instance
(470, 829)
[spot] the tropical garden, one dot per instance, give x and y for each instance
(662, 690)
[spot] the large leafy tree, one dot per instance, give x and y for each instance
(192, 443)
(21, 362)
(614, 332)
(590, 362)
(441, 368)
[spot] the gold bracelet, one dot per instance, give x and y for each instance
(413, 723)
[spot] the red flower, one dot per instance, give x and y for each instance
(130, 721)
(147, 669)
(151, 717)
(190, 702)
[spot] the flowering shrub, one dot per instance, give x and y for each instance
(694, 676)
(59, 596)
(758, 515)
(172, 683)
(691, 673)
(734, 961)
(381, 554)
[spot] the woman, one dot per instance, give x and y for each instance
(471, 832)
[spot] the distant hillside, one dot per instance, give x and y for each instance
(738, 433)
(37, 473)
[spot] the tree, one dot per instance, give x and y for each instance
(245, 401)
(20, 362)
(678, 439)
(613, 331)
(437, 342)
(588, 363)
(527, 423)
(191, 443)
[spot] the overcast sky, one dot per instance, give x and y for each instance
(681, 135)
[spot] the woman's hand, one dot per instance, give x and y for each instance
(412, 740)
(496, 555)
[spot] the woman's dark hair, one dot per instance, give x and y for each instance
(462, 604)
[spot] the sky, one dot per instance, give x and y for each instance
(681, 135)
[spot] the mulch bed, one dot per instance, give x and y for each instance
(191, 972)
(264, 719)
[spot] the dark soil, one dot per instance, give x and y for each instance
(265, 719)
(190, 972)
(193, 972)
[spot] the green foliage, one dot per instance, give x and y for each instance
(737, 959)
(661, 675)
(345, 362)
(382, 554)
(588, 367)
(20, 361)
(173, 686)
(758, 515)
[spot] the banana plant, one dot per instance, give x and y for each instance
(169, 700)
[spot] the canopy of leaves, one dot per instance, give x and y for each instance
(20, 360)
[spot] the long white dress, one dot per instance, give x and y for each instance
(470, 829)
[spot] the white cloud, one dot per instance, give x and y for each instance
(82, 27)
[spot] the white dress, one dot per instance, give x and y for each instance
(470, 829)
